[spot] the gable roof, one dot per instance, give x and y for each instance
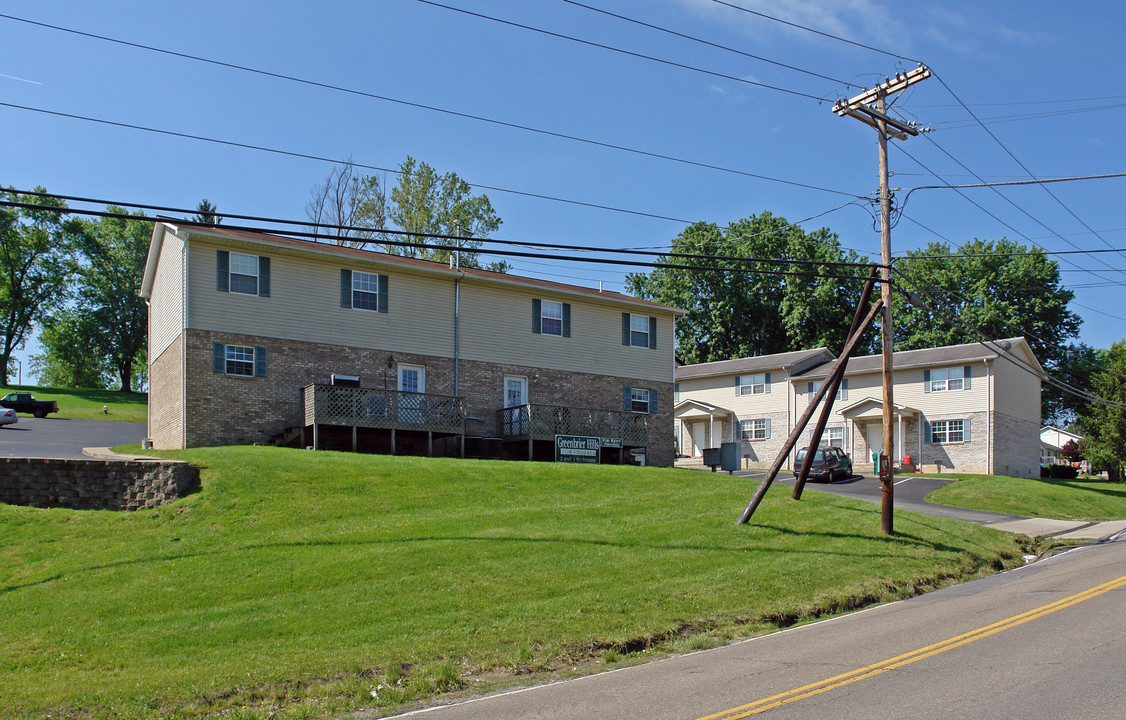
(926, 357)
(406, 264)
(741, 366)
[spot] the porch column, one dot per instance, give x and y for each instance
(711, 429)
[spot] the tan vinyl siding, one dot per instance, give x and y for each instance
(166, 306)
(908, 391)
(1019, 394)
(304, 304)
(720, 391)
(496, 326)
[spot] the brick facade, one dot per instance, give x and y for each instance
(165, 405)
(225, 409)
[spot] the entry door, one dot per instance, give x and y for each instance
(412, 379)
(698, 434)
(875, 439)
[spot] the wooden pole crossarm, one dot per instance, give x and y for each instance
(804, 420)
(827, 408)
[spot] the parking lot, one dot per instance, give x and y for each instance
(53, 437)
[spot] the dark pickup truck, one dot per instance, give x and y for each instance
(26, 403)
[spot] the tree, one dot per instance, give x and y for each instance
(422, 201)
(35, 244)
(113, 252)
(1003, 289)
(1070, 451)
(1104, 444)
(738, 314)
(207, 213)
(71, 354)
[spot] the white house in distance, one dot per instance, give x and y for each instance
(1052, 440)
(256, 338)
(966, 408)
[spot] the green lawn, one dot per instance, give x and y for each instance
(1079, 499)
(294, 583)
(88, 403)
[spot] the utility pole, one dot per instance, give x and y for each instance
(870, 108)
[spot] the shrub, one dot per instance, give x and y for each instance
(1059, 472)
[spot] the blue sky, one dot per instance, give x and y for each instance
(1041, 76)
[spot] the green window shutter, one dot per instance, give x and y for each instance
(384, 294)
(218, 357)
(629, 399)
(259, 362)
(652, 333)
(537, 310)
(966, 377)
(926, 431)
(768, 428)
(345, 288)
(927, 384)
(263, 277)
(767, 382)
(625, 329)
(222, 271)
(566, 319)
(653, 405)
(966, 427)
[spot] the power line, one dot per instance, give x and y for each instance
(1036, 181)
(407, 103)
(816, 32)
(611, 48)
(709, 43)
(317, 236)
(999, 119)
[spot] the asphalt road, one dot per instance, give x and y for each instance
(1042, 641)
(53, 437)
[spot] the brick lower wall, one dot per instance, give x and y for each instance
(1017, 446)
(165, 412)
(224, 410)
(94, 484)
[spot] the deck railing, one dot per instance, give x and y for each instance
(544, 422)
(386, 409)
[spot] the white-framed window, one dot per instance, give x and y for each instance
(515, 391)
(752, 384)
(551, 318)
(815, 385)
(638, 330)
(244, 273)
(639, 400)
(944, 379)
(240, 360)
(756, 429)
(833, 437)
(365, 290)
(948, 431)
(412, 378)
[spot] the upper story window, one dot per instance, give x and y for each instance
(242, 274)
(639, 330)
(551, 318)
(943, 379)
(755, 384)
(815, 385)
(363, 290)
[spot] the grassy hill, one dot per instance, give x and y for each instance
(1083, 498)
(296, 584)
(88, 403)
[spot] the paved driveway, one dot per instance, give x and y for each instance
(64, 438)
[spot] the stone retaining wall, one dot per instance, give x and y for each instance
(94, 484)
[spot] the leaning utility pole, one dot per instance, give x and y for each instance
(870, 108)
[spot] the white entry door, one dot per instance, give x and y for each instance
(698, 435)
(875, 440)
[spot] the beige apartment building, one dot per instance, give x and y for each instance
(967, 408)
(257, 338)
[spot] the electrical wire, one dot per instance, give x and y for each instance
(611, 48)
(384, 98)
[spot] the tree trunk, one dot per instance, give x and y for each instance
(127, 376)
(4, 360)
(1114, 473)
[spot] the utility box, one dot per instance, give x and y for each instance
(729, 456)
(712, 457)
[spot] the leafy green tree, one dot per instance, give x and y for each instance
(113, 252)
(422, 201)
(1104, 443)
(35, 245)
(1002, 288)
(72, 356)
(738, 314)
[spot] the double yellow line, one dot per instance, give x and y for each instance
(899, 661)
